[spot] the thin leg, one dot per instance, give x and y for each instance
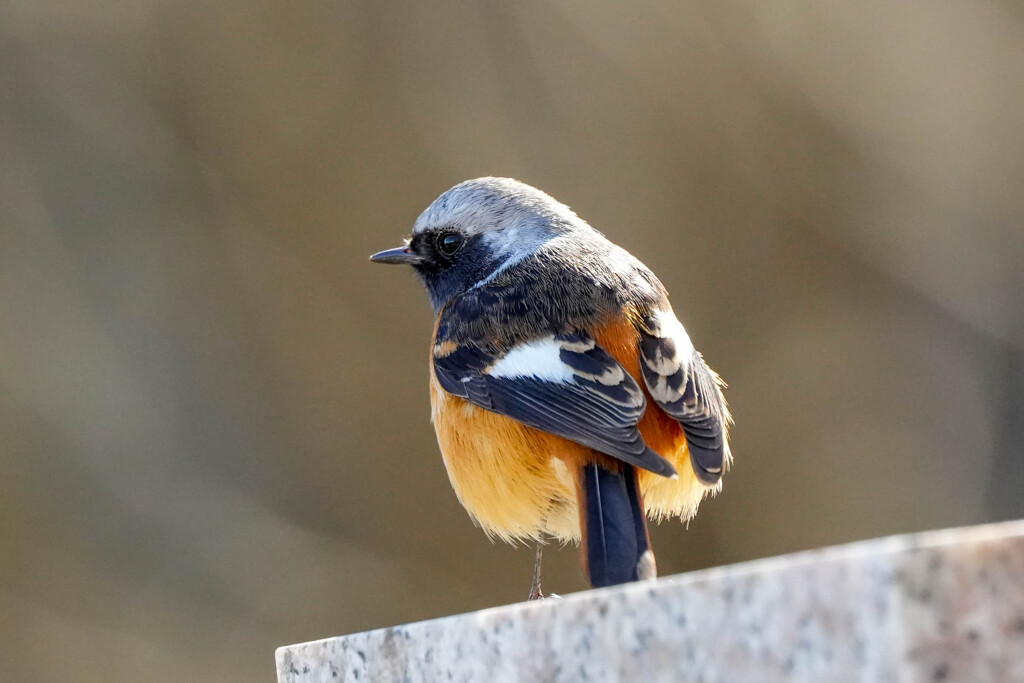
(535, 592)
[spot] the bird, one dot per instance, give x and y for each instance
(568, 401)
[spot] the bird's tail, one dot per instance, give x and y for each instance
(616, 548)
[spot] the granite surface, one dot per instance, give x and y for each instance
(946, 605)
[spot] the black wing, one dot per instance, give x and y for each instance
(682, 385)
(561, 384)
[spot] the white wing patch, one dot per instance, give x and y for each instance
(538, 358)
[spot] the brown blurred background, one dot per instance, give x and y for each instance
(213, 410)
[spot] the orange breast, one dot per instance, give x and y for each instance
(513, 480)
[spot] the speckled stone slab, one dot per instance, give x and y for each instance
(945, 605)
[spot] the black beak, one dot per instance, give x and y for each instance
(396, 255)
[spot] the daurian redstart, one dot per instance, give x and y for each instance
(567, 397)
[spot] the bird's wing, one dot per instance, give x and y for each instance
(682, 385)
(562, 384)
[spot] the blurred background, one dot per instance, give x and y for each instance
(213, 411)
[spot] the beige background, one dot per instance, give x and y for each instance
(214, 432)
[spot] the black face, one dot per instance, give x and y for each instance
(438, 248)
(452, 262)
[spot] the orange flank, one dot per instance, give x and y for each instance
(519, 483)
(663, 497)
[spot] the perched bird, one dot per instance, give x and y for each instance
(567, 398)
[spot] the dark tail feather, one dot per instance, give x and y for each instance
(616, 548)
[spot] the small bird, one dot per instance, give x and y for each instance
(568, 400)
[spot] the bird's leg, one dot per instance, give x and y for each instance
(535, 592)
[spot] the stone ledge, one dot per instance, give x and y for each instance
(945, 605)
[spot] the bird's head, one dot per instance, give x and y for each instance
(475, 230)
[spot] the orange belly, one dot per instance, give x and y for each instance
(518, 482)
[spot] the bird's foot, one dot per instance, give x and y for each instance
(540, 596)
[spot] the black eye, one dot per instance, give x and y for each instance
(449, 243)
